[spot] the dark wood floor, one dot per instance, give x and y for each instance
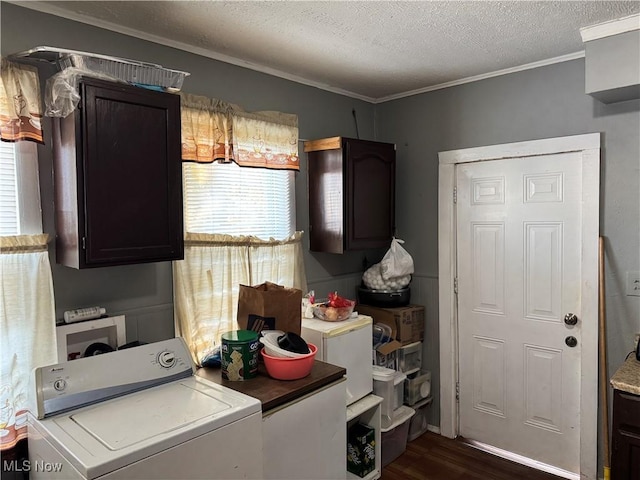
(433, 457)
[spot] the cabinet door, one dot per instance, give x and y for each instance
(370, 199)
(326, 213)
(132, 175)
(625, 452)
(307, 438)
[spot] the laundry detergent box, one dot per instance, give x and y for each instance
(361, 449)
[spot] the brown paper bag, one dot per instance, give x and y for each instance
(269, 307)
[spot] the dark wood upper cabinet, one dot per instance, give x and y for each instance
(118, 177)
(351, 194)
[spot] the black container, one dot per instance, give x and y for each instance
(293, 343)
(398, 298)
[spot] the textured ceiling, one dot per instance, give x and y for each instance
(374, 50)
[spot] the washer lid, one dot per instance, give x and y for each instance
(102, 438)
(154, 413)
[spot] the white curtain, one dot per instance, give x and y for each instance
(207, 281)
(278, 262)
(27, 333)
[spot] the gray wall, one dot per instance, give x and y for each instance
(144, 292)
(540, 103)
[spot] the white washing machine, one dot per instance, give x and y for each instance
(141, 413)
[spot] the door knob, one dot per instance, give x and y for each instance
(571, 341)
(570, 319)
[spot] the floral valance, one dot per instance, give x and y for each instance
(216, 130)
(20, 103)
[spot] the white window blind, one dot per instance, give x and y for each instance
(9, 213)
(228, 199)
(20, 212)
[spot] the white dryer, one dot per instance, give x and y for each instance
(141, 413)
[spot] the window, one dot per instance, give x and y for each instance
(228, 199)
(20, 212)
(222, 203)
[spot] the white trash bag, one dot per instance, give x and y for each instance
(396, 262)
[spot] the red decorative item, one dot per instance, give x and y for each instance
(336, 301)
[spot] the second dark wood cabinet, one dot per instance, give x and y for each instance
(118, 177)
(351, 194)
(625, 450)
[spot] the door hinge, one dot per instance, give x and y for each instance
(84, 243)
(457, 391)
(455, 194)
(455, 285)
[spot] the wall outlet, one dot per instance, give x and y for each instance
(633, 283)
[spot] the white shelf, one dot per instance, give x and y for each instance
(74, 338)
(368, 410)
(413, 370)
(370, 476)
(358, 408)
(422, 403)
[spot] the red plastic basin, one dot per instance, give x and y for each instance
(282, 368)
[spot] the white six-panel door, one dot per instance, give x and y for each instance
(518, 229)
(518, 234)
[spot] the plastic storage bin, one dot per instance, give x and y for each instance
(130, 71)
(394, 438)
(388, 384)
(419, 422)
(410, 358)
(386, 360)
(417, 387)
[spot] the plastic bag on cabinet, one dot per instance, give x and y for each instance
(396, 262)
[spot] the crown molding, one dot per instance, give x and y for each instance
(476, 78)
(612, 27)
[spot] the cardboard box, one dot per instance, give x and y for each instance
(361, 450)
(408, 321)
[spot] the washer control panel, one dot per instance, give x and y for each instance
(166, 359)
(59, 384)
(88, 380)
